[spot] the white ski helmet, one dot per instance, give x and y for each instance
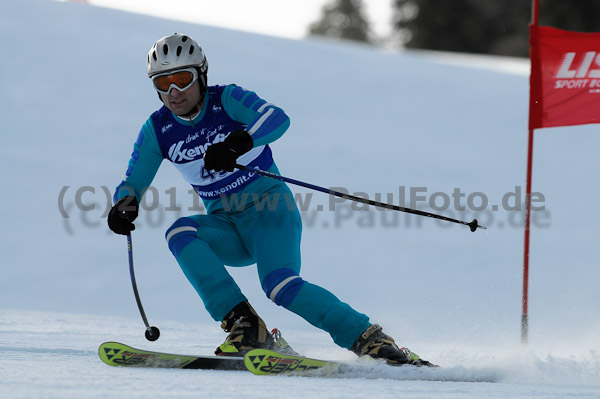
(175, 52)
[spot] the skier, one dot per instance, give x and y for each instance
(204, 131)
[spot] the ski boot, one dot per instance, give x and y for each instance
(281, 344)
(246, 330)
(373, 342)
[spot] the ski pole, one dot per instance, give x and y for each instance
(152, 333)
(473, 225)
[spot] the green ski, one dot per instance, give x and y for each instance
(117, 354)
(264, 362)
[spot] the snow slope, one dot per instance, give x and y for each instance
(75, 96)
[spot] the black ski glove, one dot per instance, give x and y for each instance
(223, 155)
(122, 214)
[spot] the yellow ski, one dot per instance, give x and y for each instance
(264, 362)
(117, 354)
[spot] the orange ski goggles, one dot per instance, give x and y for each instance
(181, 79)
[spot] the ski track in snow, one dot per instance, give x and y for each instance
(53, 355)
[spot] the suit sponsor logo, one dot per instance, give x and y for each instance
(166, 127)
(177, 152)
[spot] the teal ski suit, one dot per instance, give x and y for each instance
(250, 219)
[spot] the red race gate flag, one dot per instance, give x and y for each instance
(565, 77)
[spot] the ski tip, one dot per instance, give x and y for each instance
(108, 350)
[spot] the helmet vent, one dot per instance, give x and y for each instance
(184, 39)
(165, 49)
(191, 49)
(179, 48)
(154, 56)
